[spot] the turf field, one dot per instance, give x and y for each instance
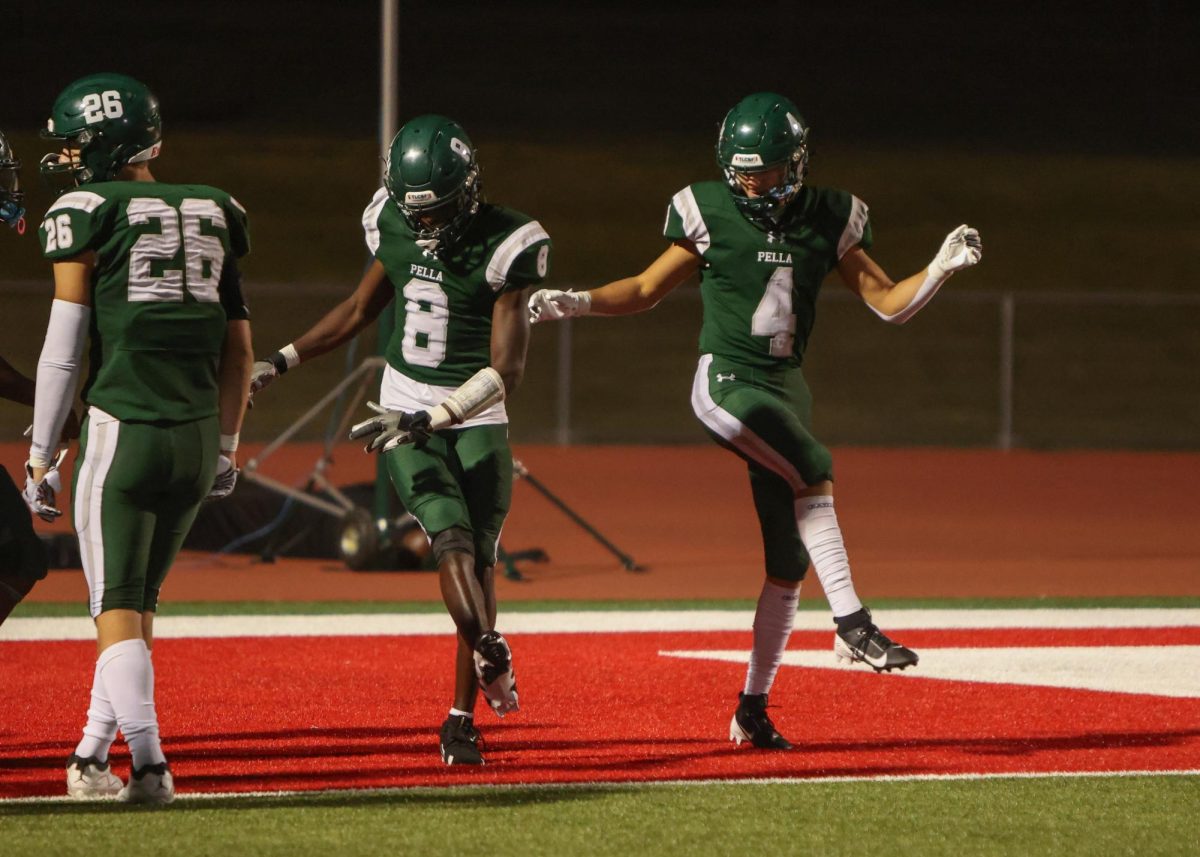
(1055, 729)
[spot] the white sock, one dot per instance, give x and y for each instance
(454, 712)
(129, 679)
(823, 540)
(101, 728)
(772, 626)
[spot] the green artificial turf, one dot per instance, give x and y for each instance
(1151, 815)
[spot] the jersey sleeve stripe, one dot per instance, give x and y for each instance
(508, 251)
(856, 225)
(237, 205)
(84, 200)
(370, 219)
(693, 223)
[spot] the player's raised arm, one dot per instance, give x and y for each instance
(898, 302)
(621, 297)
(339, 325)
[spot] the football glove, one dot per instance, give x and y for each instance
(962, 248)
(41, 496)
(262, 373)
(393, 428)
(225, 479)
(552, 305)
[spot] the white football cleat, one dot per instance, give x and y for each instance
(493, 668)
(151, 784)
(89, 779)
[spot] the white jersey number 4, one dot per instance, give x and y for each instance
(773, 316)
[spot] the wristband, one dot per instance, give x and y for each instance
(285, 358)
(229, 442)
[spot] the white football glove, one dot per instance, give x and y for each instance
(552, 305)
(392, 428)
(262, 373)
(962, 248)
(42, 496)
(225, 479)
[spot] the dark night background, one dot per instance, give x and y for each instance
(1069, 133)
(1080, 76)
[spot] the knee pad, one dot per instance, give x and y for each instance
(455, 539)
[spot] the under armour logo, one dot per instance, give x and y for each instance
(729, 377)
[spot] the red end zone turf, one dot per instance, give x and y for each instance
(337, 712)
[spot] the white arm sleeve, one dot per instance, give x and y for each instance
(480, 392)
(58, 369)
(924, 295)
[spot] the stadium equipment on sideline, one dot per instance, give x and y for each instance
(522, 472)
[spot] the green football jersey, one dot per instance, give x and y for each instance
(443, 330)
(760, 290)
(159, 301)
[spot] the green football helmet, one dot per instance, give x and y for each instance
(112, 119)
(432, 176)
(763, 131)
(12, 212)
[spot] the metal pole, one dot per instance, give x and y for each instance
(563, 394)
(1004, 439)
(389, 73)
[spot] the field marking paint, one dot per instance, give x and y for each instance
(599, 621)
(625, 785)
(1113, 669)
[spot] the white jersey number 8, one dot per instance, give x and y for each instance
(426, 315)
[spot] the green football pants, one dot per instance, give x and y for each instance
(461, 478)
(136, 491)
(22, 557)
(765, 417)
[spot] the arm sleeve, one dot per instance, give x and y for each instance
(684, 220)
(856, 226)
(530, 267)
(370, 220)
(229, 290)
(521, 259)
(239, 228)
(57, 371)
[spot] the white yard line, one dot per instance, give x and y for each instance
(613, 784)
(601, 621)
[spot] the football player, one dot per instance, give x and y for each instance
(763, 240)
(146, 275)
(24, 558)
(457, 267)
(24, 562)
(12, 212)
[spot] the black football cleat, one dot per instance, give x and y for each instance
(752, 723)
(862, 641)
(460, 741)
